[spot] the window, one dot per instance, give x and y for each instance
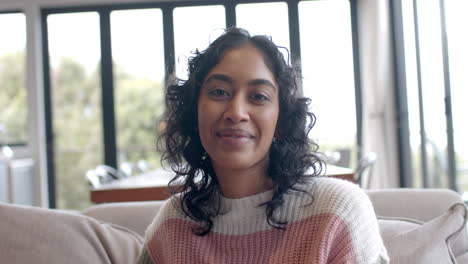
(272, 21)
(435, 105)
(143, 41)
(13, 92)
(194, 28)
(327, 68)
(412, 93)
(74, 49)
(458, 54)
(138, 57)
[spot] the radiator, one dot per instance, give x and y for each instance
(17, 181)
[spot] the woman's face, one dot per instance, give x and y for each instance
(238, 109)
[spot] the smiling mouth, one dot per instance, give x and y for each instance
(233, 133)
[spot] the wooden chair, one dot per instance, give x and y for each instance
(103, 174)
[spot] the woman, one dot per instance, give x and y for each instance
(237, 138)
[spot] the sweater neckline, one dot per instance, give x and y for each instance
(248, 201)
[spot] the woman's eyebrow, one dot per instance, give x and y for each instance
(254, 82)
(219, 77)
(266, 82)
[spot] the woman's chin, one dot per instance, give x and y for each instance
(238, 161)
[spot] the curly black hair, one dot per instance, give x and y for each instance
(293, 157)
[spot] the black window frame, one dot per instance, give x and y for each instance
(110, 153)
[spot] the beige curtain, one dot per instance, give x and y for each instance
(377, 76)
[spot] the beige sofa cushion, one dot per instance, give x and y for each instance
(135, 216)
(35, 235)
(440, 240)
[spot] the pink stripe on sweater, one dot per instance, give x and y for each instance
(317, 239)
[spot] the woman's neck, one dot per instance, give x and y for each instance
(242, 183)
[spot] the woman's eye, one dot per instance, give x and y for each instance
(259, 97)
(218, 92)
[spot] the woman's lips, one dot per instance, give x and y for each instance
(232, 132)
(234, 137)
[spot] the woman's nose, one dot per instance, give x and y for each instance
(237, 110)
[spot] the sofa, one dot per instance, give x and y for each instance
(417, 226)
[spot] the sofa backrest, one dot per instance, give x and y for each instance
(418, 204)
(37, 235)
(135, 216)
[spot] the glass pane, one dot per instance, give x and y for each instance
(327, 67)
(457, 20)
(269, 19)
(412, 92)
(138, 56)
(13, 92)
(195, 28)
(74, 47)
(432, 81)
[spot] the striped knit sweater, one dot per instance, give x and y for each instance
(339, 226)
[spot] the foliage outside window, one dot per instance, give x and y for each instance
(76, 99)
(13, 92)
(138, 86)
(76, 104)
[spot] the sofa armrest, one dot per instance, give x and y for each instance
(419, 204)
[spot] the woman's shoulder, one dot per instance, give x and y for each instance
(169, 211)
(327, 195)
(334, 188)
(337, 189)
(348, 206)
